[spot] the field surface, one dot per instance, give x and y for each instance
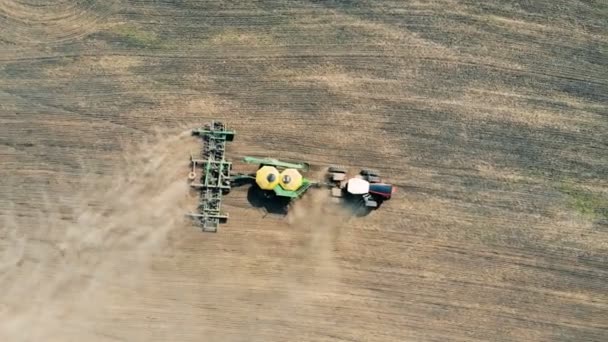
(491, 117)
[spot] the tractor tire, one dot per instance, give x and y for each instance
(368, 172)
(373, 179)
(336, 169)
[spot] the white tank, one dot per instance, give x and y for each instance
(357, 186)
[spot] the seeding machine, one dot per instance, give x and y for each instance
(275, 179)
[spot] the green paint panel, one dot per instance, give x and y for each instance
(279, 191)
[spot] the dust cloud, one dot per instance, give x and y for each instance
(82, 259)
(322, 221)
(62, 264)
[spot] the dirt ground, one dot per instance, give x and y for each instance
(490, 117)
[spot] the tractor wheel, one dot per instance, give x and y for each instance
(336, 169)
(368, 172)
(373, 179)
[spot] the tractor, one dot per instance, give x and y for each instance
(364, 192)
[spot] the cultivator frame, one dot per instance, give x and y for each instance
(214, 181)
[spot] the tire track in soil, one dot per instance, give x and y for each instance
(35, 23)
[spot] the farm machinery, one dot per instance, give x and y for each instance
(364, 192)
(275, 180)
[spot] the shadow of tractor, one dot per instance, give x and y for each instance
(276, 205)
(267, 200)
(357, 207)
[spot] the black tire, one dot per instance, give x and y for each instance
(336, 169)
(368, 172)
(372, 179)
(379, 204)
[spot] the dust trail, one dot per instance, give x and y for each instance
(326, 224)
(322, 223)
(62, 265)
